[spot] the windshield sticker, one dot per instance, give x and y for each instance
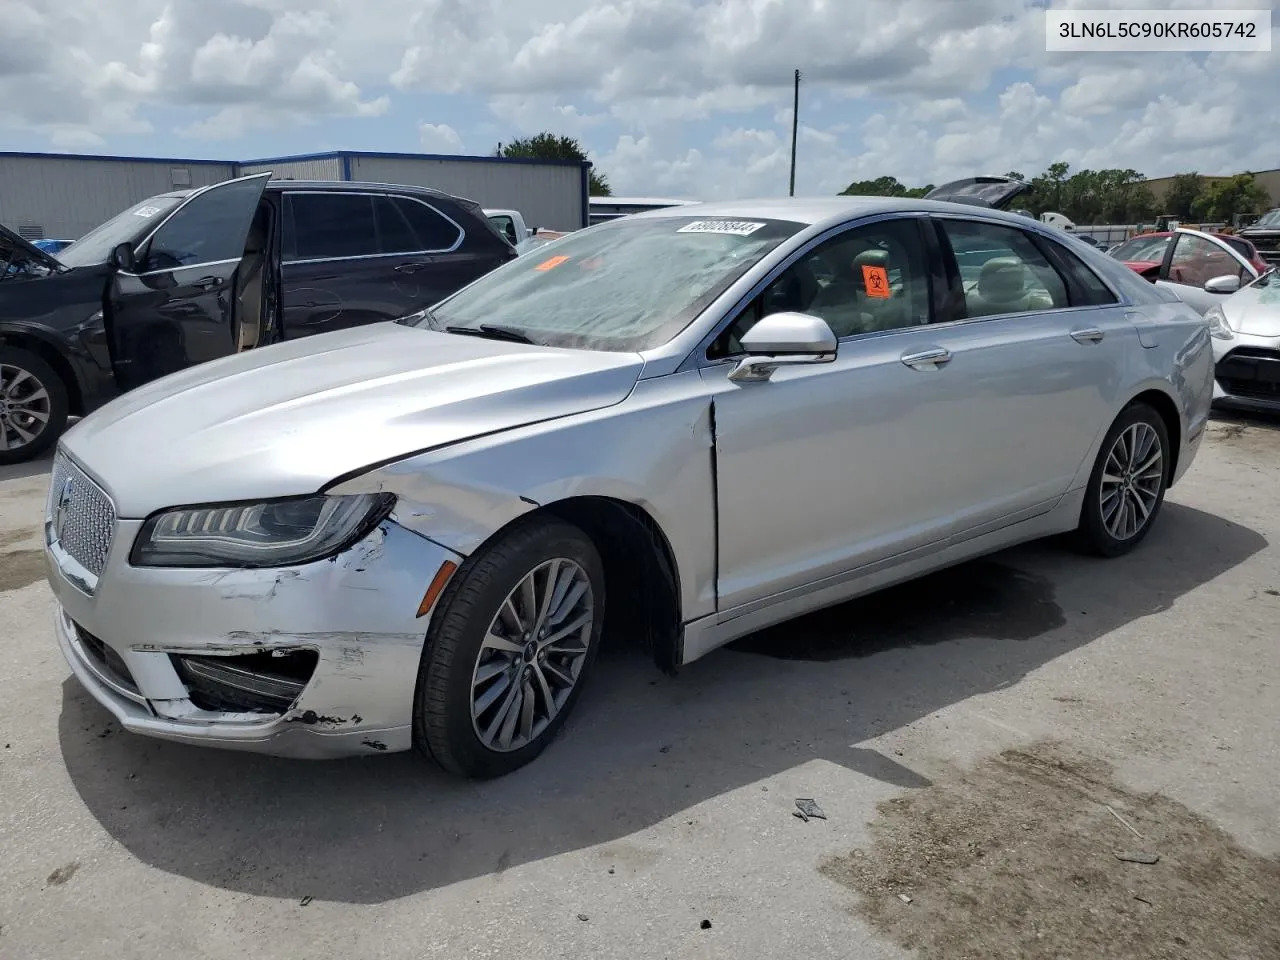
(736, 228)
(551, 264)
(146, 212)
(876, 282)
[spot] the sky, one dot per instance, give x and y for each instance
(679, 98)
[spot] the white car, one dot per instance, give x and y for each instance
(1246, 345)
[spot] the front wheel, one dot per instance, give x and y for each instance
(1127, 486)
(33, 405)
(508, 649)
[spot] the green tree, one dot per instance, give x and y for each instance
(1222, 199)
(1183, 193)
(549, 146)
(883, 187)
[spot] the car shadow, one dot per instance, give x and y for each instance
(641, 747)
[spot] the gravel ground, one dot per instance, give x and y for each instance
(963, 735)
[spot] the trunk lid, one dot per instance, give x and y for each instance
(996, 192)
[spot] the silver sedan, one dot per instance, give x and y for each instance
(679, 428)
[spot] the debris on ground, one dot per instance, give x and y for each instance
(957, 847)
(904, 898)
(583, 917)
(705, 925)
(1123, 821)
(304, 901)
(1139, 856)
(806, 808)
(63, 874)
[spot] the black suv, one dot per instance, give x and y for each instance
(195, 275)
(1264, 234)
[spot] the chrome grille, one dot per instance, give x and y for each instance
(82, 516)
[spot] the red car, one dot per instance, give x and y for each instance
(1146, 253)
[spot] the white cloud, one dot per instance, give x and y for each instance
(439, 138)
(669, 96)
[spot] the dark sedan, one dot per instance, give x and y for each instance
(194, 275)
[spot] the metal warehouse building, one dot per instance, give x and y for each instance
(63, 196)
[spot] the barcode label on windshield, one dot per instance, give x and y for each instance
(738, 228)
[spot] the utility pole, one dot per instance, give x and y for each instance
(795, 127)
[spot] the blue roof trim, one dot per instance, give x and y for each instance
(22, 154)
(345, 155)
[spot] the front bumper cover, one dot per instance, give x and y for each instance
(357, 614)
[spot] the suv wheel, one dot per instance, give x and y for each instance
(33, 405)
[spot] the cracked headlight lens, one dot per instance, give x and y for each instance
(274, 533)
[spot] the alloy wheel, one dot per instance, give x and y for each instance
(25, 407)
(532, 655)
(1132, 479)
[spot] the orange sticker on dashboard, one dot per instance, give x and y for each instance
(876, 281)
(551, 264)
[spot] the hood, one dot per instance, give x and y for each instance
(15, 250)
(997, 192)
(287, 419)
(1255, 310)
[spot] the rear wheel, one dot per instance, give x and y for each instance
(508, 649)
(1127, 486)
(33, 405)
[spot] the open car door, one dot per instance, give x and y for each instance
(997, 192)
(172, 299)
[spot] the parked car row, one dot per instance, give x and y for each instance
(683, 426)
(195, 275)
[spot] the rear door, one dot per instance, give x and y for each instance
(1195, 258)
(1037, 346)
(176, 308)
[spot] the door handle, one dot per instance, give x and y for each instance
(411, 267)
(208, 283)
(929, 359)
(1087, 335)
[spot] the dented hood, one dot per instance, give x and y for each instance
(288, 419)
(1255, 310)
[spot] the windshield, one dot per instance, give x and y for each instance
(1142, 249)
(1269, 219)
(128, 227)
(625, 285)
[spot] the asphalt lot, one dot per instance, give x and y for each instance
(983, 743)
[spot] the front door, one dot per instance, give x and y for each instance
(1192, 260)
(826, 468)
(175, 309)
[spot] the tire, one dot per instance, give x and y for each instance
(460, 655)
(18, 370)
(1101, 530)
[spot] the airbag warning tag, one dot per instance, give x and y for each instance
(737, 228)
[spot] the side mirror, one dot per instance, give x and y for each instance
(1226, 284)
(122, 257)
(783, 339)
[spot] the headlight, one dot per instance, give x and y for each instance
(1218, 326)
(273, 534)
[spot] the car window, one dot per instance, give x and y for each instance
(433, 230)
(1142, 249)
(1085, 287)
(1242, 247)
(212, 226)
(864, 280)
(1001, 270)
(506, 226)
(324, 226)
(395, 235)
(1196, 261)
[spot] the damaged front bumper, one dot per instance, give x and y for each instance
(316, 660)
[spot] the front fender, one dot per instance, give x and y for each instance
(654, 450)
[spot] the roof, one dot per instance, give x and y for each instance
(638, 201)
(827, 211)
